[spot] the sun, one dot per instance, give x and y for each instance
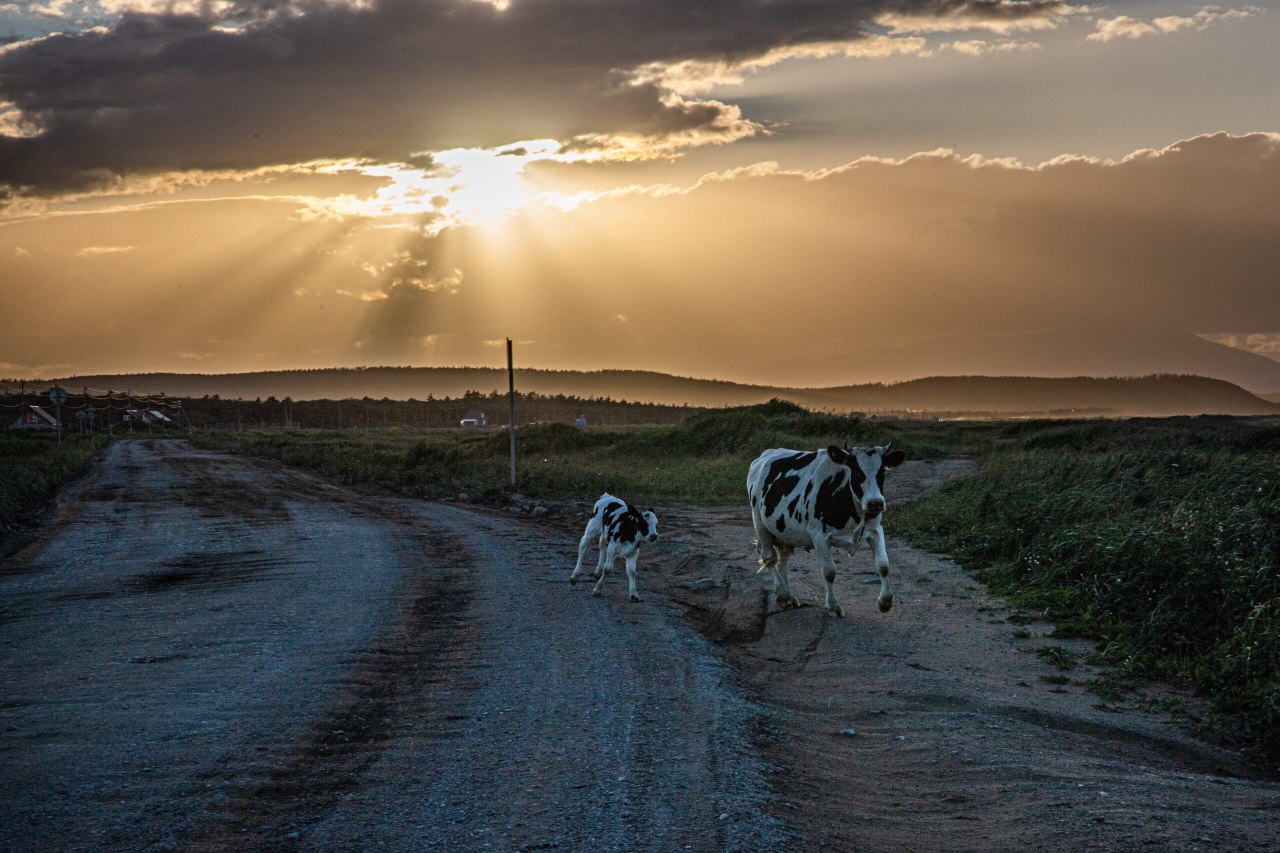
(461, 186)
(484, 185)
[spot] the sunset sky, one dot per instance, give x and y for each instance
(694, 186)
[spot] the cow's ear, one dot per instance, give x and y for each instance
(838, 455)
(894, 458)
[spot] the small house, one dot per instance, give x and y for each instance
(34, 417)
(146, 416)
(475, 418)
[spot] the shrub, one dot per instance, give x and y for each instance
(1160, 540)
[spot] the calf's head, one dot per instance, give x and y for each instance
(867, 466)
(652, 520)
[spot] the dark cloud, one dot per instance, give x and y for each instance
(274, 82)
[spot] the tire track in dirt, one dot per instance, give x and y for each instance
(424, 651)
(170, 664)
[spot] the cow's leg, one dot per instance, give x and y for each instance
(849, 544)
(781, 590)
(631, 575)
(764, 543)
(607, 556)
(774, 556)
(823, 551)
(876, 538)
(592, 532)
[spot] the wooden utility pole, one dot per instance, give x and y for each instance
(511, 399)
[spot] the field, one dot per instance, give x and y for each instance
(1159, 539)
(704, 458)
(32, 468)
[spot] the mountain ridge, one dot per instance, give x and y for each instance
(1155, 395)
(1100, 350)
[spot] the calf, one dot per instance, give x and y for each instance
(619, 530)
(817, 500)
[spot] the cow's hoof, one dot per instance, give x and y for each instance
(595, 593)
(635, 598)
(885, 604)
(836, 611)
(573, 580)
(787, 603)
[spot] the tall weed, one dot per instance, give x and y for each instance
(1164, 544)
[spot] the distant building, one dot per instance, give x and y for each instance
(475, 418)
(580, 421)
(34, 417)
(144, 416)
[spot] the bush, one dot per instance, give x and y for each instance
(32, 467)
(1165, 547)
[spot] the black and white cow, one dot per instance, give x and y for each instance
(820, 499)
(619, 530)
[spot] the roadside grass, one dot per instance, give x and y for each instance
(32, 468)
(704, 458)
(1159, 539)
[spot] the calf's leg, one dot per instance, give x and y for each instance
(607, 555)
(631, 575)
(592, 532)
(604, 548)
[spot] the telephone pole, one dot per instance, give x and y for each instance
(511, 399)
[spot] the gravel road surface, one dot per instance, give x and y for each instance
(207, 652)
(211, 653)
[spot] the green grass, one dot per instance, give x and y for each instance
(1160, 539)
(705, 458)
(32, 468)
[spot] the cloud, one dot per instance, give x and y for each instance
(694, 76)
(217, 86)
(883, 251)
(1109, 29)
(13, 370)
(977, 47)
(1262, 343)
(96, 251)
(998, 16)
(740, 268)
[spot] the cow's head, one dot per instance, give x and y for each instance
(867, 465)
(652, 520)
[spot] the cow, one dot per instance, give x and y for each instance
(820, 499)
(620, 530)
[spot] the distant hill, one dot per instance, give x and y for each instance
(1100, 350)
(1149, 396)
(1064, 397)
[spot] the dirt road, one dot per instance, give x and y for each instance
(207, 652)
(940, 725)
(214, 653)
